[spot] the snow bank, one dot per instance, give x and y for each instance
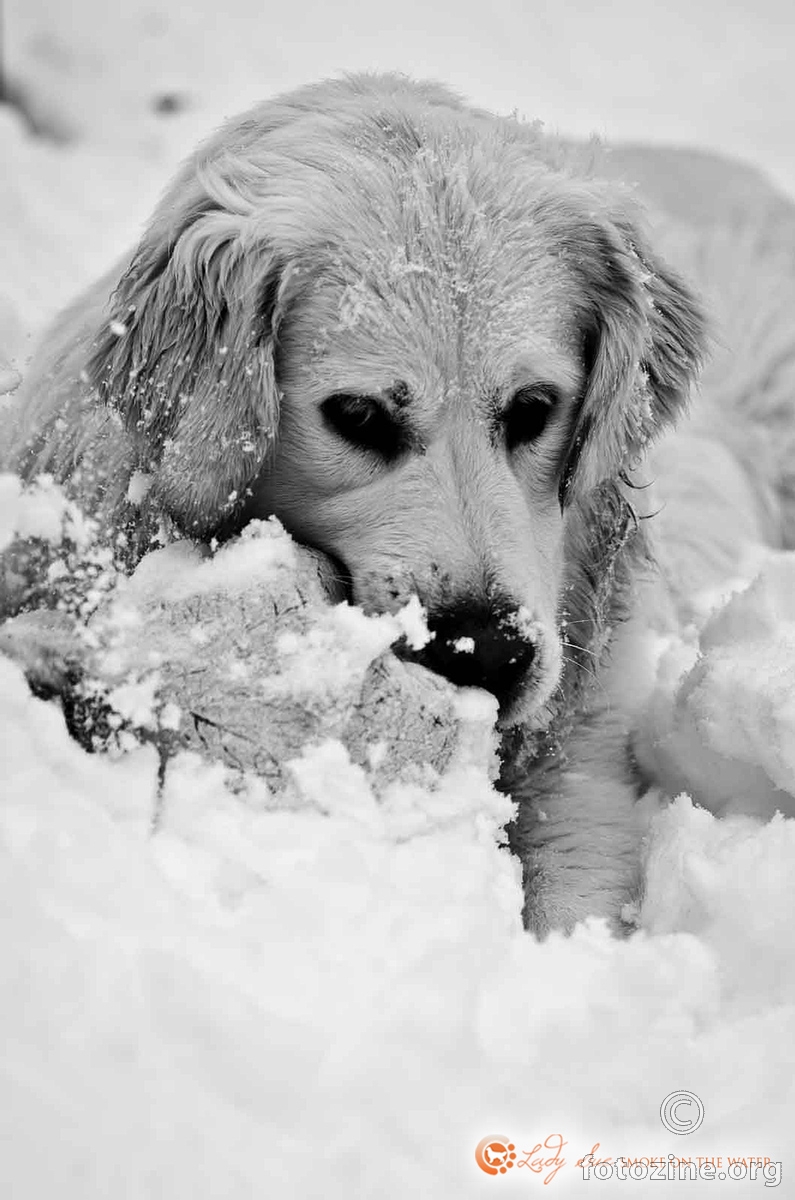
(327, 1002)
(721, 724)
(324, 988)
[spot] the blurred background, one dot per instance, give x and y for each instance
(713, 73)
(103, 99)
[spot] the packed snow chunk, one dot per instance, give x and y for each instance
(326, 776)
(263, 555)
(139, 487)
(49, 553)
(723, 730)
(246, 644)
(10, 496)
(729, 881)
(413, 620)
(137, 702)
(39, 510)
(9, 379)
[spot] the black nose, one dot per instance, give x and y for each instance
(479, 646)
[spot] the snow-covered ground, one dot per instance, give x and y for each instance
(335, 998)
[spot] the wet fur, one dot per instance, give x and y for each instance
(174, 367)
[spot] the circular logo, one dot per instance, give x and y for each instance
(678, 1121)
(495, 1154)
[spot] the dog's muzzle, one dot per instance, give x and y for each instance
(477, 646)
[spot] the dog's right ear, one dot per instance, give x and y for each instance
(186, 356)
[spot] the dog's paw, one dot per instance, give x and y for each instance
(564, 888)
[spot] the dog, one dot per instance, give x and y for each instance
(439, 350)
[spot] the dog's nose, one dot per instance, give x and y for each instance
(479, 647)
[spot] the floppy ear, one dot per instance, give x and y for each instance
(644, 343)
(187, 357)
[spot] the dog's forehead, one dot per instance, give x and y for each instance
(464, 325)
(435, 265)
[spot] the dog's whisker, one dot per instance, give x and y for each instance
(581, 649)
(591, 675)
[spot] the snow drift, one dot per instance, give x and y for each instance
(324, 989)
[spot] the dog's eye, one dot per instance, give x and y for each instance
(528, 414)
(364, 422)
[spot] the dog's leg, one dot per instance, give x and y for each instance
(579, 829)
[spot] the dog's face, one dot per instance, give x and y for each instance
(425, 420)
(458, 345)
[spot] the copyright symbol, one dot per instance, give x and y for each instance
(669, 1112)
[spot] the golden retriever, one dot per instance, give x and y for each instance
(423, 338)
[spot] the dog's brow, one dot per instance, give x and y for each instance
(399, 394)
(551, 368)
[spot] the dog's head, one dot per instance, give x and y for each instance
(392, 323)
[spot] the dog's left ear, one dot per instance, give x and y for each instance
(644, 342)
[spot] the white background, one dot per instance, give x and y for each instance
(711, 73)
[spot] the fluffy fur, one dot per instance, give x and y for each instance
(373, 237)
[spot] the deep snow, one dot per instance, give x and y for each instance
(338, 999)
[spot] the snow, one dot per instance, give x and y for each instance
(40, 511)
(336, 984)
(723, 712)
(338, 999)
